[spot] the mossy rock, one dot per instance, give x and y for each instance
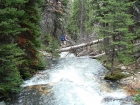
(115, 76)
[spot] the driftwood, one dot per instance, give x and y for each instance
(102, 54)
(80, 45)
(85, 45)
(98, 55)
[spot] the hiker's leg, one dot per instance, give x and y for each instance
(65, 42)
(62, 44)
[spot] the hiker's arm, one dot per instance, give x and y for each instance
(66, 38)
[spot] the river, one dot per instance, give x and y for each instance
(71, 81)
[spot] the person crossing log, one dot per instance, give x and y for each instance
(64, 40)
(80, 45)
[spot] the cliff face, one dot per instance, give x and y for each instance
(51, 16)
(48, 18)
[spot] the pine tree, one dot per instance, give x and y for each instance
(28, 39)
(115, 21)
(81, 20)
(10, 59)
(10, 53)
(20, 27)
(73, 23)
(90, 16)
(136, 16)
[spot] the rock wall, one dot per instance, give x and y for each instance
(51, 23)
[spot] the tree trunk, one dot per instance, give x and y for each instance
(80, 45)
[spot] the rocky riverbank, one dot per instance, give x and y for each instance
(131, 84)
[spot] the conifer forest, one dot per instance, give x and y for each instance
(30, 26)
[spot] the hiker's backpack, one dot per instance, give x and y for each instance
(62, 38)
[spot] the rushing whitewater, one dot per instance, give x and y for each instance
(71, 81)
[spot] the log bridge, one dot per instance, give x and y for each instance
(80, 45)
(75, 47)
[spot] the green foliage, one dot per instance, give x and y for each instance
(24, 70)
(73, 23)
(125, 58)
(65, 2)
(90, 14)
(115, 76)
(52, 46)
(9, 16)
(10, 54)
(20, 27)
(82, 16)
(64, 7)
(137, 97)
(29, 37)
(41, 64)
(115, 23)
(10, 59)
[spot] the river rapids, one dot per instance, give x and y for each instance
(71, 81)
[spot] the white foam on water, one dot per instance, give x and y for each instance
(77, 82)
(66, 55)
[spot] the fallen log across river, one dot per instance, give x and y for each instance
(80, 45)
